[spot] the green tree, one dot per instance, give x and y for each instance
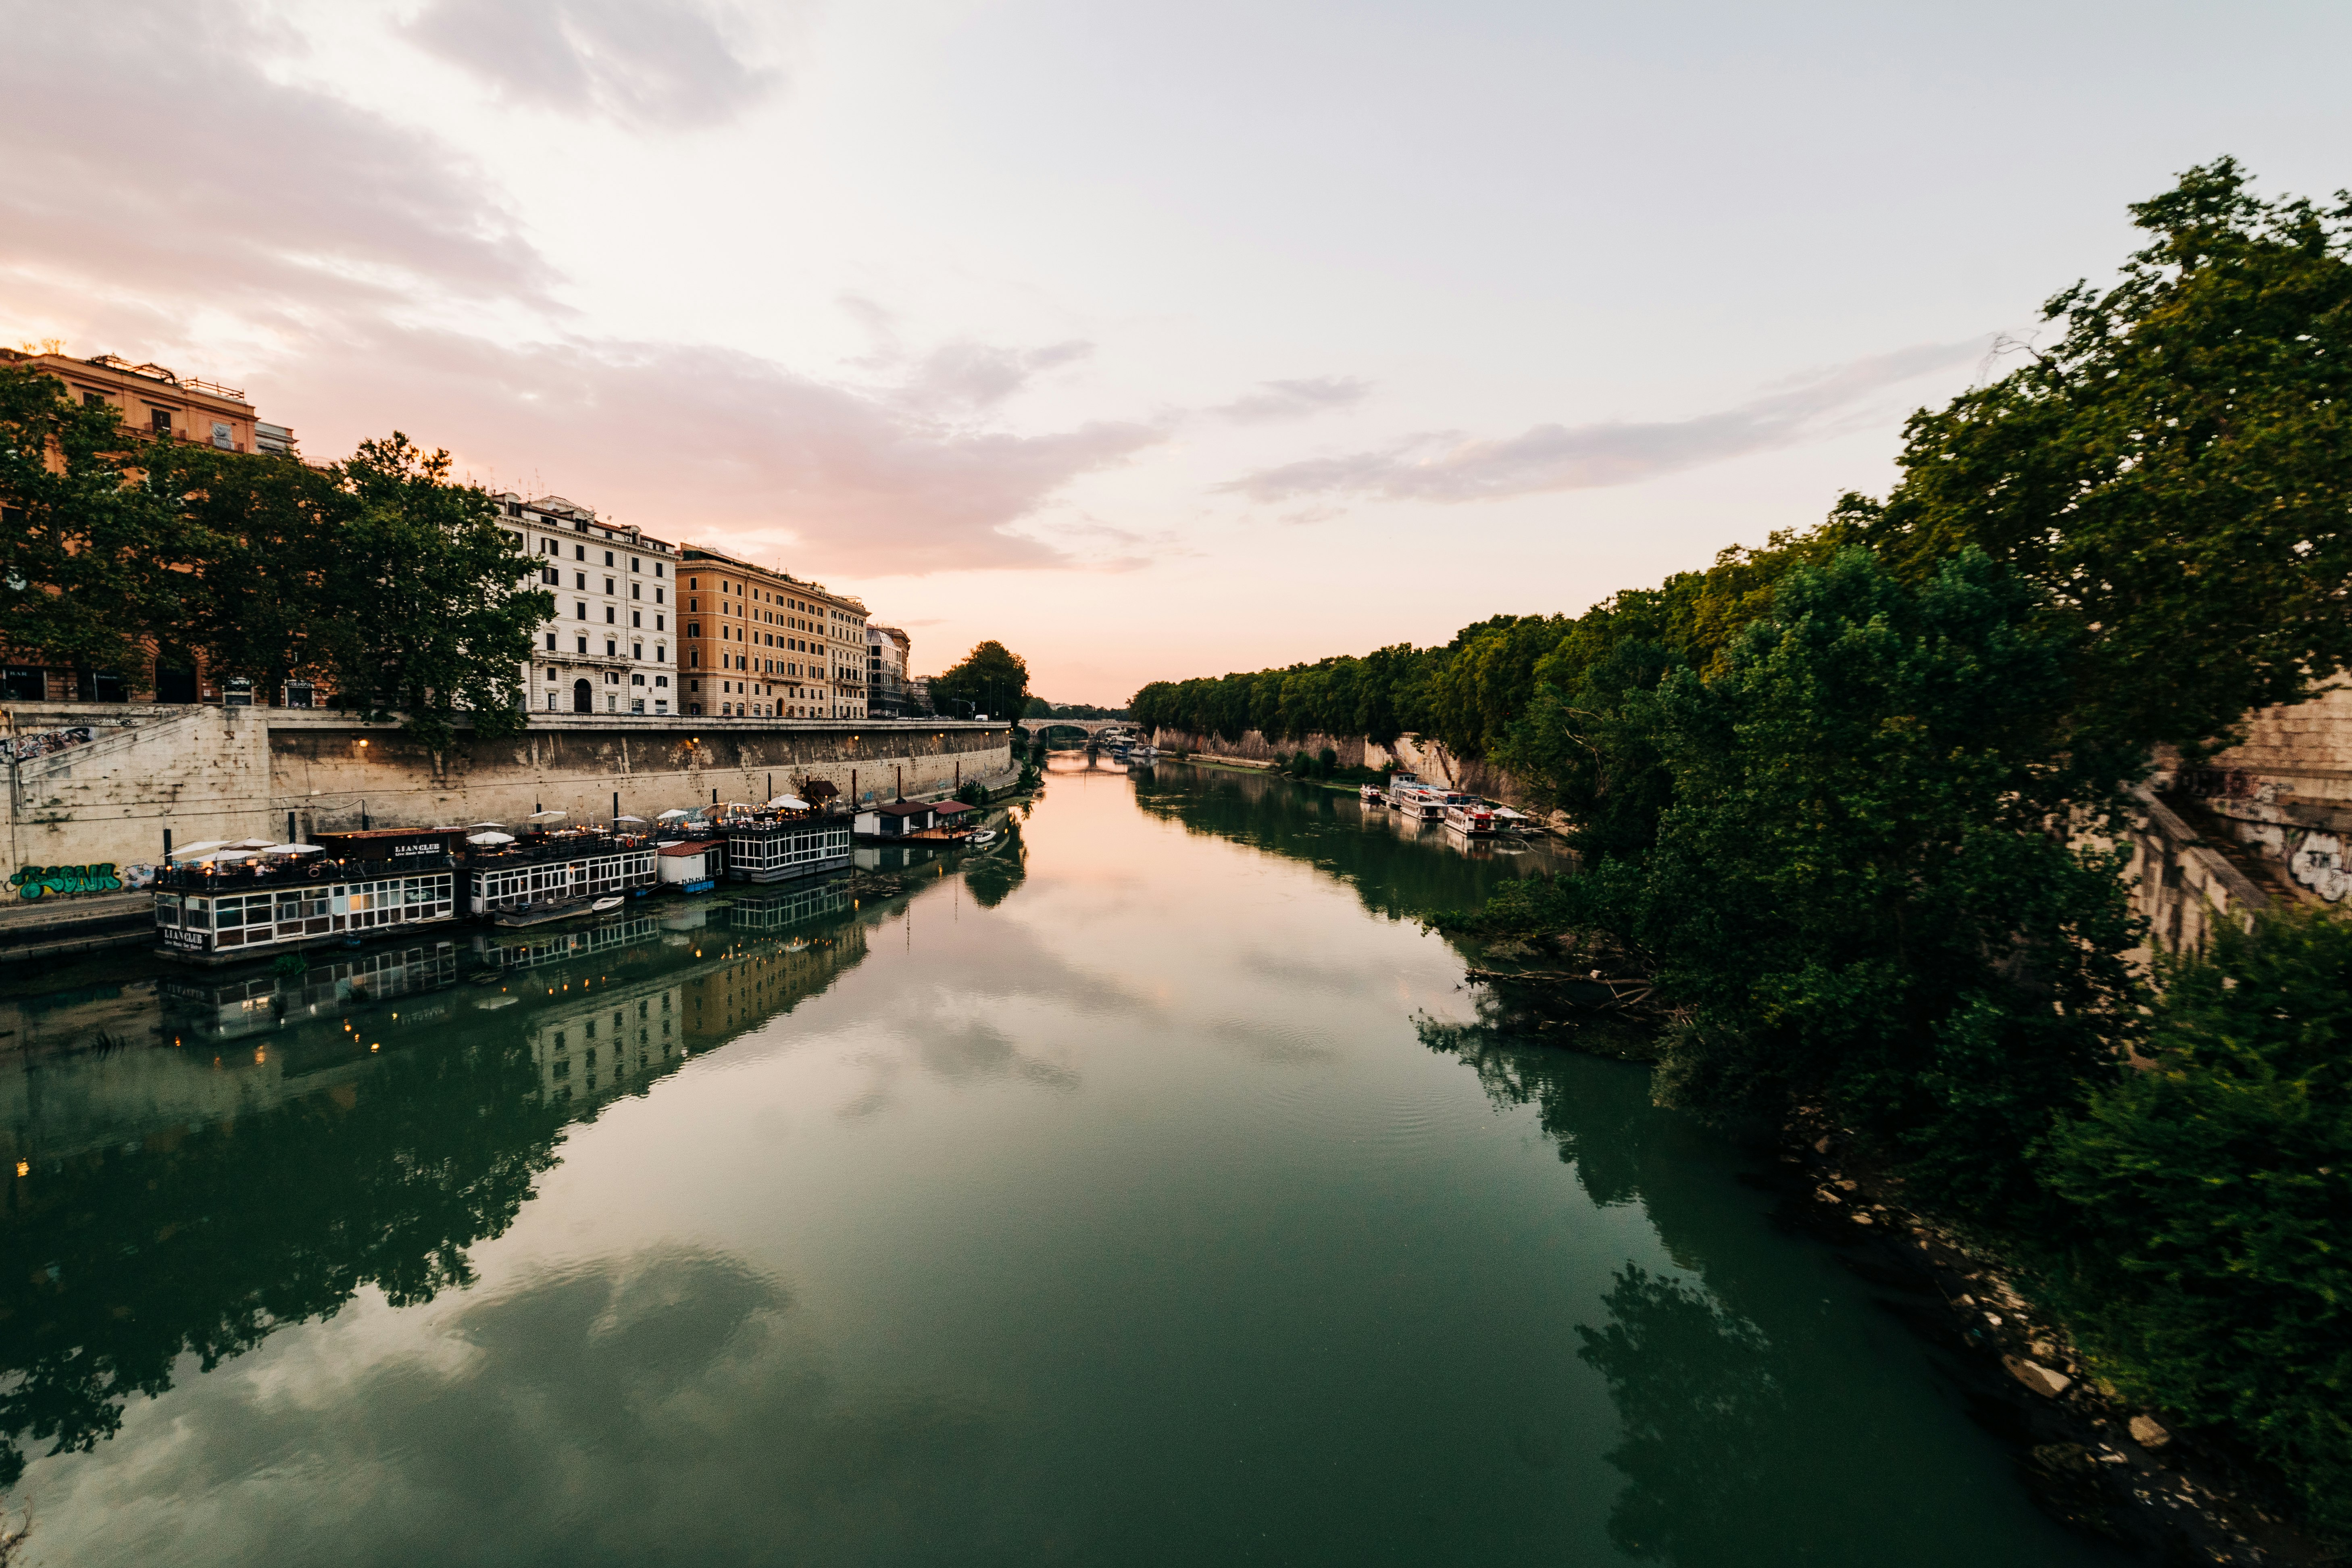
(2212, 1193)
(990, 680)
(431, 617)
(2175, 470)
(270, 532)
(90, 552)
(1864, 890)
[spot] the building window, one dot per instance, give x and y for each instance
(578, 610)
(608, 560)
(636, 618)
(579, 551)
(608, 582)
(657, 568)
(636, 591)
(583, 645)
(611, 615)
(635, 565)
(659, 623)
(612, 650)
(550, 642)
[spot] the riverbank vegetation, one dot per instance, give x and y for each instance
(1849, 801)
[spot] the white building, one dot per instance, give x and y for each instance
(607, 648)
(887, 651)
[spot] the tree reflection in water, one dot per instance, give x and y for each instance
(1702, 1406)
(202, 1242)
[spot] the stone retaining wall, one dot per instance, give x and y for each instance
(87, 816)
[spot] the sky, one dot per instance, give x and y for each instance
(1152, 339)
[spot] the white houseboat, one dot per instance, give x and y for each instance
(1473, 818)
(776, 849)
(556, 866)
(243, 905)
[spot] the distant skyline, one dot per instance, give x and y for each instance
(1151, 340)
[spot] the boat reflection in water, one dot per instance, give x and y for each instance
(201, 1163)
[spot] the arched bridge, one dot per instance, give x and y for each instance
(1092, 728)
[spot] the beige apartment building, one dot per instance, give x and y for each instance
(608, 648)
(761, 643)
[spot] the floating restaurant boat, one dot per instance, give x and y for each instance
(538, 868)
(1472, 818)
(1418, 802)
(240, 903)
(777, 845)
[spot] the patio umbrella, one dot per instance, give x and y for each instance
(789, 803)
(547, 816)
(293, 849)
(250, 844)
(491, 838)
(231, 854)
(628, 819)
(486, 825)
(195, 851)
(673, 814)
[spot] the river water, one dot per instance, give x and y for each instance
(1144, 1193)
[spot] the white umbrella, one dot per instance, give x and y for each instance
(486, 825)
(628, 819)
(491, 838)
(194, 850)
(293, 849)
(231, 854)
(250, 844)
(789, 803)
(544, 815)
(672, 815)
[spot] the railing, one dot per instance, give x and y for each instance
(244, 876)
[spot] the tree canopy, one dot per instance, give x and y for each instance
(990, 679)
(378, 575)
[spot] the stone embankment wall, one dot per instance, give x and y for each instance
(85, 817)
(1428, 759)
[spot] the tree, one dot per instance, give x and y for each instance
(2175, 471)
(89, 551)
(990, 679)
(2210, 1194)
(271, 532)
(1864, 889)
(431, 617)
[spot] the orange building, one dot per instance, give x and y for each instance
(766, 644)
(159, 402)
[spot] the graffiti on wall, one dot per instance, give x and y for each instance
(41, 743)
(40, 881)
(2318, 864)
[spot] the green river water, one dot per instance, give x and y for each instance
(1143, 1193)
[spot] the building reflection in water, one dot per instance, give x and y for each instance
(204, 1160)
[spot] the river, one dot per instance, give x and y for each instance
(1146, 1191)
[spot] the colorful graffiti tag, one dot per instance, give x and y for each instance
(40, 881)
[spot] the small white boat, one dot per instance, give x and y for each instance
(984, 838)
(606, 906)
(1373, 794)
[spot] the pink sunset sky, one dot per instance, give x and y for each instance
(1154, 339)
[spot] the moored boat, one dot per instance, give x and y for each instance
(1373, 794)
(546, 913)
(1472, 818)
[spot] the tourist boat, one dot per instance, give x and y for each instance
(1417, 802)
(1471, 819)
(1373, 794)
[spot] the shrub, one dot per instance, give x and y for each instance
(2215, 1278)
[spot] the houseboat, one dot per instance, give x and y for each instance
(1418, 802)
(250, 903)
(544, 869)
(776, 849)
(895, 819)
(1473, 818)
